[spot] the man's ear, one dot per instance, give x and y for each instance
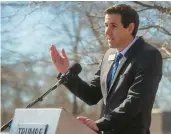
(131, 27)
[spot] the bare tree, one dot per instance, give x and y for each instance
(77, 26)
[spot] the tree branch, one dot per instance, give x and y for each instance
(159, 8)
(155, 26)
(92, 26)
(144, 9)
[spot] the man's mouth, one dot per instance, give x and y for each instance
(110, 39)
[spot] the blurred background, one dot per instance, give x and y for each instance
(29, 28)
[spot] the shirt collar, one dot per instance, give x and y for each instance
(126, 49)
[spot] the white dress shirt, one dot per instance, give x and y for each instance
(126, 49)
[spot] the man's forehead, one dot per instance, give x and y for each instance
(113, 17)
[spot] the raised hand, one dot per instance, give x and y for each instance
(60, 61)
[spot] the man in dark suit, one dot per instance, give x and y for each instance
(127, 81)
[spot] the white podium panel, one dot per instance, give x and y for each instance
(47, 121)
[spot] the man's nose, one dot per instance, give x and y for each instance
(108, 31)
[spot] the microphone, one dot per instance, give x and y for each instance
(74, 70)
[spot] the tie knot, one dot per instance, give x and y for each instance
(118, 57)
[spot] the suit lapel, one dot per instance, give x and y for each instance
(122, 62)
(106, 71)
(108, 65)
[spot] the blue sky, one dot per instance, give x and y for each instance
(32, 37)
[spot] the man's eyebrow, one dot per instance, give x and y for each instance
(111, 23)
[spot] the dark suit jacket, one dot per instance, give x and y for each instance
(129, 101)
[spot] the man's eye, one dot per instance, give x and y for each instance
(113, 26)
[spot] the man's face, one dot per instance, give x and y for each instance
(115, 33)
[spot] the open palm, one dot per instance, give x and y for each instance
(61, 62)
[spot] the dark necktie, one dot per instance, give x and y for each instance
(113, 69)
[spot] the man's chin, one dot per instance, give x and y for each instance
(111, 45)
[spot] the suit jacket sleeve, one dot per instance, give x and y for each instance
(90, 93)
(141, 94)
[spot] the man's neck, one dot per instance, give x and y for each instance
(125, 44)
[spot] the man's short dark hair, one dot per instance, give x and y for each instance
(128, 15)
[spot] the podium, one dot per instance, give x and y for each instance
(47, 121)
(161, 122)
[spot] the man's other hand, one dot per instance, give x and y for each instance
(90, 123)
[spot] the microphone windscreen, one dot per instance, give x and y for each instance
(75, 69)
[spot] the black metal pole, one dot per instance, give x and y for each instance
(8, 124)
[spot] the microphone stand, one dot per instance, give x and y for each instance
(62, 80)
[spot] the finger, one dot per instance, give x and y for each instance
(88, 122)
(54, 58)
(81, 118)
(63, 53)
(54, 50)
(54, 54)
(51, 50)
(92, 127)
(51, 46)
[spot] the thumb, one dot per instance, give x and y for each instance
(63, 53)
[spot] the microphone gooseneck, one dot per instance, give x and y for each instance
(75, 69)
